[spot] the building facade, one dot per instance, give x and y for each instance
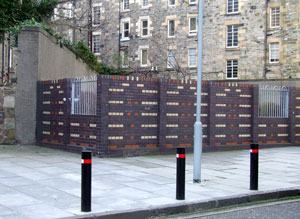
(242, 39)
(8, 59)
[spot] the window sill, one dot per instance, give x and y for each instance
(171, 37)
(274, 28)
(232, 48)
(193, 67)
(231, 78)
(274, 63)
(127, 10)
(96, 24)
(233, 14)
(145, 7)
(144, 66)
(192, 34)
(124, 39)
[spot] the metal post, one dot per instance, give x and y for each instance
(180, 176)
(198, 124)
(86, 181)
(254, 166)
(3, 58)
(8, 58)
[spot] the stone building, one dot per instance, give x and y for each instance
(242, 39)
(8, 59)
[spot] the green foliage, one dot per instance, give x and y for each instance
(14, 32)
(14, 12)
(81, 50)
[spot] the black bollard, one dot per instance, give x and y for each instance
(180, 176)
(254, 166)
(86, 181)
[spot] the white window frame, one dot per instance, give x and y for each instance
(192, 32)
(192, 62)
(70, 34)
(10, 58)
(55, 13)
(192, 2)
(169, 28)
(144, 28)
(234, 31)
(233, 4)
(142, 64)
(124, 58)
(274, 16)
(94, 44)
(170, 2)
(234, 64)
(70, 10)
(123, 30)
(171, 59)
(126, 5)
(143, 3)
(274, 52)
(96, 22)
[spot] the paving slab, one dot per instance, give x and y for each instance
(38, 182)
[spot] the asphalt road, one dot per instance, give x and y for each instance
(278, 210)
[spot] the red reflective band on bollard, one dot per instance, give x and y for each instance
(88, 161)
(180, 155)
(255, 151)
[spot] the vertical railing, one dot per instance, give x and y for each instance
(84, 96)
(273, 101)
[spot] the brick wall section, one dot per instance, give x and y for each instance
(178, 108)
(142, 115)
(83, 130)
(295, 117)
(52, 121)
(132, 113)
(232, 116)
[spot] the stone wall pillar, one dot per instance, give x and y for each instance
(26, 89)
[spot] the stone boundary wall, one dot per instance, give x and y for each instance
(137, 116)
(7, 114)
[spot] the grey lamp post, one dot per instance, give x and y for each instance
(198, 124)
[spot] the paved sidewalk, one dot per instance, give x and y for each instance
(44, 183)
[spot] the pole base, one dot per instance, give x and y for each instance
(197, 181)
